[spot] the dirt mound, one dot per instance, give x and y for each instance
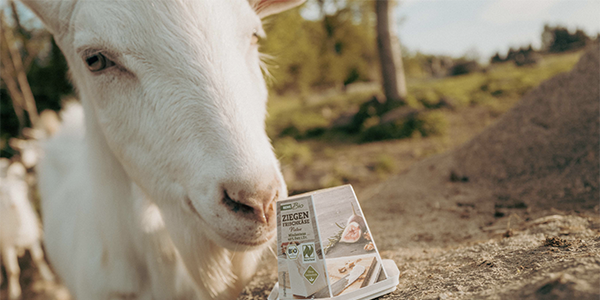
(511, 214)
(544, 152)
(540, 156)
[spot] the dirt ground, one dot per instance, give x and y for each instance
(511, 214)
(555, 257)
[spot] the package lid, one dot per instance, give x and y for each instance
(370, 292)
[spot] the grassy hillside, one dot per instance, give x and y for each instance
(314, 154)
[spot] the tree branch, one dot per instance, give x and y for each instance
(20, 72)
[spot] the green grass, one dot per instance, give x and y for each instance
(290, 151)
(384, 164)
(500, 81)
(306, 117)
(301, 126)
(298, 116)
(448, 111)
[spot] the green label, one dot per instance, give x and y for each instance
(289, 206)
(311, 274)
(308, 252)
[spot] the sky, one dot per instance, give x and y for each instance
(484, 27)
(458, 27)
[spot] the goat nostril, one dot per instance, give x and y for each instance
(270, 205)
(236, 206)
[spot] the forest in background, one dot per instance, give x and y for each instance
(331, 55)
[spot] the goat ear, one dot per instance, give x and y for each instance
(266, 8)
(53, 13)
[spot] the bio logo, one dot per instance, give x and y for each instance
(292, 252)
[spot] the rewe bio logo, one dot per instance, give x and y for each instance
(291, 206)
(308, 252)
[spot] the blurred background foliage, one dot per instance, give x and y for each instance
(35, 55)
(336, 49)
(327, 106)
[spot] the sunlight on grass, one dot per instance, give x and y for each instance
(297, 116)
(319, 155)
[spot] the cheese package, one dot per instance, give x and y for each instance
(325, 248)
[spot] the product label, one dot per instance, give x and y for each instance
(325, 247)
(300, 256)
(295, 221)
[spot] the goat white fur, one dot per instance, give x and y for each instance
(19, 227)
(170, 194)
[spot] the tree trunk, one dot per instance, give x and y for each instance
(13, 89)
(7, 75)
(19, 72)
(390, 55)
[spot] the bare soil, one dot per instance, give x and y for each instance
(511, 214)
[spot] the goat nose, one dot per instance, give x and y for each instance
(254, 203)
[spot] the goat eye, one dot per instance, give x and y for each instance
(98, 62)
(255, 38)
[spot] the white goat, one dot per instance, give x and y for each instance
(29, 151)
(19, 227)
(171, 193)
